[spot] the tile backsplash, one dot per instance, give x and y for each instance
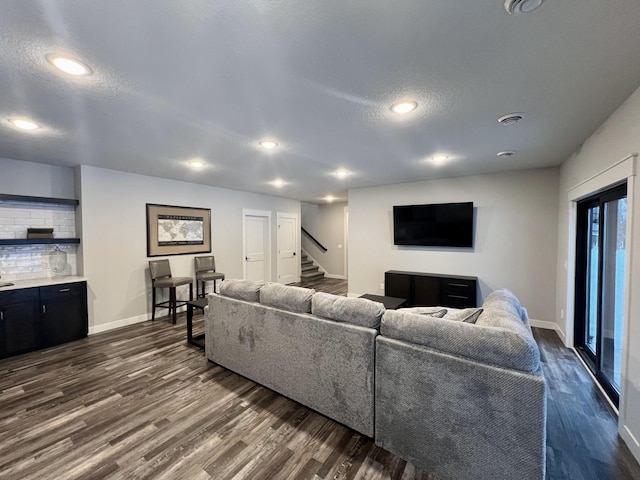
(25, 262)
(16, 217)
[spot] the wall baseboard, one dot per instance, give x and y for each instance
(548, 326)
(332, 275)
(631, 441)
(105, 327)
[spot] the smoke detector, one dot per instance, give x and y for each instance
(510, 118)
(518, 7)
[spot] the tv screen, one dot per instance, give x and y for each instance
(435, 225)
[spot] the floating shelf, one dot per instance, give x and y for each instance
(36, 241)
(25, 198)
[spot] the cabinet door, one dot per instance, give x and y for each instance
(397, 285)
(19, 328)
(64, 313)
(426, 291)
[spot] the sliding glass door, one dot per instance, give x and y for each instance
(600, 274)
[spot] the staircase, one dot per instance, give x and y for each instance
(309, 270)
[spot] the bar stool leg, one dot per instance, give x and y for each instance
(153, 303)
(172, 304)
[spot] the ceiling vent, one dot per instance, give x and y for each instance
(510, 118)
(518, 7)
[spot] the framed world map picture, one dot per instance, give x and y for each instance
(177, 230)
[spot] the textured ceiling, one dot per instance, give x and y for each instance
(174, 80)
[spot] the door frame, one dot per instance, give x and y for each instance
(248, 212)
(296, 230)
(594, 359)
(618, 172)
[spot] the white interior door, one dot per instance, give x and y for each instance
(257, 225)
(288, 259)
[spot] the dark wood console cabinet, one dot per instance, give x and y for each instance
(39, 317)
(430, 289)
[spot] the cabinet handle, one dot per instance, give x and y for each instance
(457, 296)
(458, 285)
(64, 290)
(1, 315)
(44, 308)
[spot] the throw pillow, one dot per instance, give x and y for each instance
(467, 315)
(437, 312)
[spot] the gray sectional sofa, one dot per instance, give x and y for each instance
(323, 360)
(457, 399)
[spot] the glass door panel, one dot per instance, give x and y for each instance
(614, 256)
(593, 268)
(600, 274)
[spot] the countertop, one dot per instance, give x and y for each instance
(40, 282)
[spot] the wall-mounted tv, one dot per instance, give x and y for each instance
(435, 225)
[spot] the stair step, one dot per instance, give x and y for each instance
(305, 263)
(311, 276)
(309, 268)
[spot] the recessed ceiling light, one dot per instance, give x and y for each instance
(196, 163)
(23, 123)
(404, 107)
(268, 144)
(67, 65)
(507, 153)
(439, 158)
(510, 118)
(518, 7)
(342, 173)
(278, 182)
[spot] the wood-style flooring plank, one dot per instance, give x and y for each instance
(140, 403)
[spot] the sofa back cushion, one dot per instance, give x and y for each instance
(292, 299)
(241, 289)
(504, 347)
(358, 311)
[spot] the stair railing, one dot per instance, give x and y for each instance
(314, 240)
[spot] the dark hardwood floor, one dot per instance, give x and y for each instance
(140, 403)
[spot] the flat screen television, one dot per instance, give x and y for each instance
(435, 225)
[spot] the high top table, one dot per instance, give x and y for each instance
(199, 303)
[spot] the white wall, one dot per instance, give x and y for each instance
(326, 223)
(614, 141)
(114, 237)
(36, 179)
(514, 244)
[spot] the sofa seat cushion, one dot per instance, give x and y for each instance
(292, 299)
(358, 311)
(241, 289)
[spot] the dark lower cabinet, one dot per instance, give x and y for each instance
(34, 318)
(64, 313)
(19, 322)
(429, 289)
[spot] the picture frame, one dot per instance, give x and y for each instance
(174, 230)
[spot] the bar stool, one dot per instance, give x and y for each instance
(205, 272)
(161, 278)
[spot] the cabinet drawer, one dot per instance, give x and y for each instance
(458, 287)
(458, 301)
(63, 290)
(18, 296)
